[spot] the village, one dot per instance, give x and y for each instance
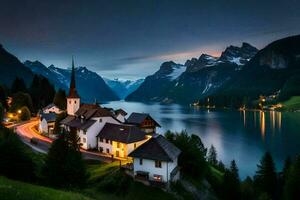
(149, 157)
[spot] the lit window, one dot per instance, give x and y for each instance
(141, 161)
(157, 177)
(158, 164)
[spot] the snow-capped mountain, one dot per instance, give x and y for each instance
(89, 84)
(238, 55)
(123, 88)
(196, 78)
(157, 84)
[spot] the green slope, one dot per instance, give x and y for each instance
(292, 104)
(10, 190)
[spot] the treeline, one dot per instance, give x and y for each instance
(30, 99)
(199, 163)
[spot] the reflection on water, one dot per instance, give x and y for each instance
(274, 117)
(244, 136)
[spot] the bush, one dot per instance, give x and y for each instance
(25, 114)
(118, 183)
(16, 161)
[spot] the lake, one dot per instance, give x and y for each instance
(240, 135)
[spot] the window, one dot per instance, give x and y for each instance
(118, 145)
(84, 140)
(141, 161)
(110, 142)
(84, 132)
(69, 102)
(158, 164)
(107, 150)
(75, 102)
(101, 139)
(157, 177)
(100, 120)
(101, 149)
(134, 145)
(107, 141)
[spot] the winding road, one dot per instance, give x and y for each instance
(27, 131)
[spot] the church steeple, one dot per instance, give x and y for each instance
(72, 91)
(73, 99)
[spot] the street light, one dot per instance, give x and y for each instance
(19, 111)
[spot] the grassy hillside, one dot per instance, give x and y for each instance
(10, 190)
(108, 182)
(292, 104)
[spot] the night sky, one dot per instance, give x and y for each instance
(130, 39)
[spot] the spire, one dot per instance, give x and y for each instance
(72, 90)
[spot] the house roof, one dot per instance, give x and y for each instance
(122, 133)
(138, 118)
(92, 110)
(49, 117)
(50, 106)
(121, 111)
(75, 122)
(157, 148)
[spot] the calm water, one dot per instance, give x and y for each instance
(240, 135)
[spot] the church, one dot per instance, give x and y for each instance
(104, 129)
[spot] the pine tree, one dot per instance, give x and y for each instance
(59, 117)
(247, 189)
(231, 183)
(3, 96)
(234, 170)
(18, 86)
(60, 99)
(212, 156)
(265, 177)
(73, 139)
(64, 165)
(41, 91)
(292, 186)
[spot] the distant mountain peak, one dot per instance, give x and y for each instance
(238, 55)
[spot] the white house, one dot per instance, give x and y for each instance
(47, 122)
(156, 160)
(88, 121)
(52, 108)
(119, 139)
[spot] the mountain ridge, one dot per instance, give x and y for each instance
(201, 76)
(90, 85)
